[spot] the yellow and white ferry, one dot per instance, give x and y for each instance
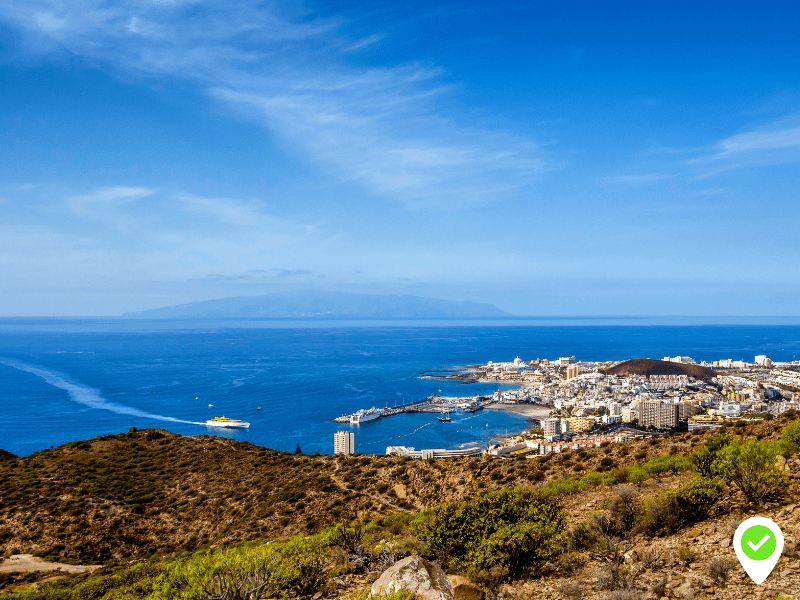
(224, 421)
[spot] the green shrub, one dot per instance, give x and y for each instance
(705, 460)
(667, 464)
(583, 536)
(696, 498)
(637, 474)
(686, 556)
(298, 565)
(514, 530)
(791, 437)
(751, 465)
(688, 504)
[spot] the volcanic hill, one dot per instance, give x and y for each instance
(647, 366)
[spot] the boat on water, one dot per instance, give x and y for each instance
(364, 415)
(473, 408)
(444, 417)
(224, 421)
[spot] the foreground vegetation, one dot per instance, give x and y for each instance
(485, 525)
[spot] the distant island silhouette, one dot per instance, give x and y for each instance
(326, 305)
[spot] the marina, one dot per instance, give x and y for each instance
(432, 404)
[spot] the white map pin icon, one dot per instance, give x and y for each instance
(758, 543)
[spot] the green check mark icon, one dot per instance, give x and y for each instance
(758, 542)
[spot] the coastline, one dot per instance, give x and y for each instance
(529, 410)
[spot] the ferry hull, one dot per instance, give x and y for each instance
(363, 416)
(228, 425)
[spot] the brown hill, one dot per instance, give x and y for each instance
(147, 492)
(648, 366)
(5, 455)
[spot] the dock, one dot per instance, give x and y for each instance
(432, 404)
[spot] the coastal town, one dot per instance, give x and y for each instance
(574, 404)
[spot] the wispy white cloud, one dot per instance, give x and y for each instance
(115, 195)
(773, 144)
(174, 233)
(377, 127)
(637, 180)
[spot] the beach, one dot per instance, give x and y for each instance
(529, 410)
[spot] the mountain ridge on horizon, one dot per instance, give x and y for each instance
(326, 305)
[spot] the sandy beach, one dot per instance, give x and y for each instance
(529, 410)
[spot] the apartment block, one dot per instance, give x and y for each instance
(551, 428)
(344, 442)
(661, 415)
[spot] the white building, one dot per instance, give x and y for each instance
(686, 360)
(344, 442)
(566, 360)
(411, 452)
(730, 409)
(763, 361)
(552, 428)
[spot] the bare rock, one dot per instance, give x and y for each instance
(417, 575)
(464, 589)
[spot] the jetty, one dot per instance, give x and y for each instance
(431, 404)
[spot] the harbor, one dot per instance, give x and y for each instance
(431, 404)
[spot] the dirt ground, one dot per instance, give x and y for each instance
(27, 563)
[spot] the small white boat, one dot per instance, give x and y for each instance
(224, 421)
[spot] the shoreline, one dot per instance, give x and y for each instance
(529, 410)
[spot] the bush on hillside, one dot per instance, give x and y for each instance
(241, 573)
(676, 508)
(621, 515)
(706, 460)
(791, 437)
(513, 530)
(751, 465)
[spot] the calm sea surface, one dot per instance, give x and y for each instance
(70, 379)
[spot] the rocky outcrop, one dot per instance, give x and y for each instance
(464, 589)
(416, 575)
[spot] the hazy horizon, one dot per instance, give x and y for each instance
(551, 160)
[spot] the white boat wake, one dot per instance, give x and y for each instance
(87, 396)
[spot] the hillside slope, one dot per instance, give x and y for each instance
(150, 491)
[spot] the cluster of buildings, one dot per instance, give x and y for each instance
(760, 361)
(582, 398)
(588, 407)
(535, 447)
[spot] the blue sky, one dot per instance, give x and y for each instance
(550, 158)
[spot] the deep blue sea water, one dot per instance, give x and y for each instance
(69, 379)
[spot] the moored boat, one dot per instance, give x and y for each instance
(364, 415)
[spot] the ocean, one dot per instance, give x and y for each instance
(69, 379)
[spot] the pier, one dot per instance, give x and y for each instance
(432, 404)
